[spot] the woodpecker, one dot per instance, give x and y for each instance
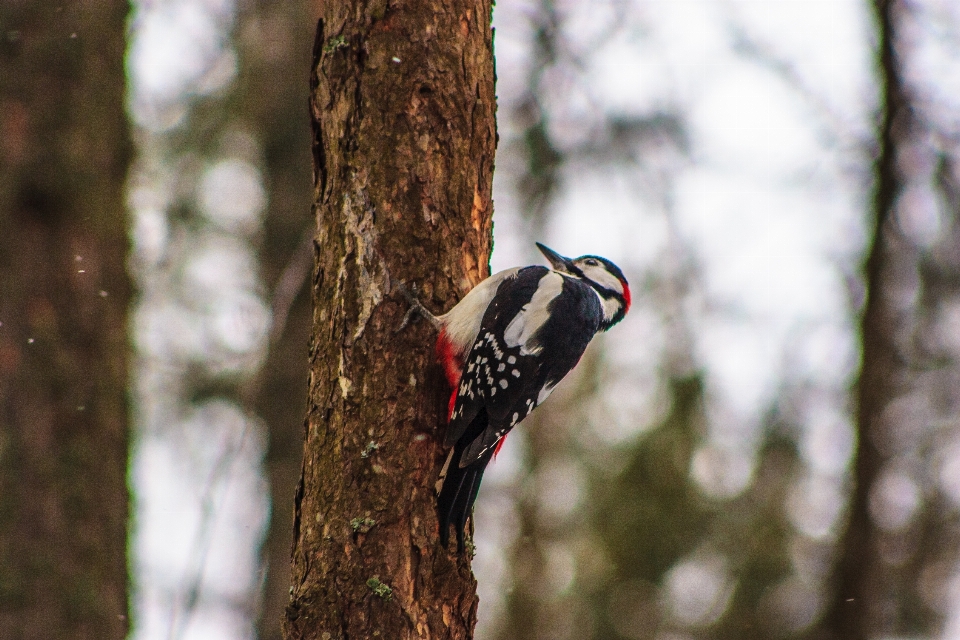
(503, 348)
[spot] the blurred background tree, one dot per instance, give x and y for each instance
(222, 194)
(64, 293)
(897, 551)
(272, 98)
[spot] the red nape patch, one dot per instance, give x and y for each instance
(499, 446)
(626, 297)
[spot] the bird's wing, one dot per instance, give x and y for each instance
(512, 376)
(485, 354)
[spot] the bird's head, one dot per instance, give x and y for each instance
(605, 277)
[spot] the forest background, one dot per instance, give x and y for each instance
(752, 451)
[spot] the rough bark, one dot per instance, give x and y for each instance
(855, 612)
(404, 136)
(64, 152)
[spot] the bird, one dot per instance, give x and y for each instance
(504, 348)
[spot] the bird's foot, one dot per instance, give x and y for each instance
(416, 308)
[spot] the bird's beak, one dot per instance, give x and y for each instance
(556, 260)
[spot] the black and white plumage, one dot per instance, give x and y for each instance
(504, 348)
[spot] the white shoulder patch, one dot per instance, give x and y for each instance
(533, 315)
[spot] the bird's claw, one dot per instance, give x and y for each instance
(410, 293)
(415, 306)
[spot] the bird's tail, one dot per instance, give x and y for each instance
(459, 485)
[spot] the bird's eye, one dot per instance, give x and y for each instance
(591, 262)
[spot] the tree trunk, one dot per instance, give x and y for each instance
(64, 151)
(856, 612)
(404, 136)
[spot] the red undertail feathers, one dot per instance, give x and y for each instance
(452, 365)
